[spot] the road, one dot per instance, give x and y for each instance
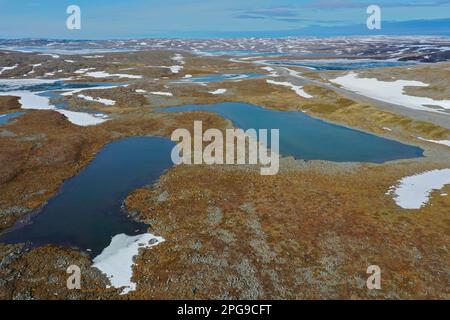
(442, 120)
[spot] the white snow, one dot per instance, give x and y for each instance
(3, 69)
(218, 91)
(106, 102)
(103, 74)
(175, 69)
(272, 71)
(140, 91)
(81, 71)
(116, 260)
(443, 142)
(293, 73)
(297, 89)
(32, 100)
(83, 118)
(180, 59)
(391, 92)
(414, 191)
(161, 93)
(72, 92)
(33, 66)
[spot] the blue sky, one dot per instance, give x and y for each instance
(219, 18)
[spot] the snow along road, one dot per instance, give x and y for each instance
(442, 120)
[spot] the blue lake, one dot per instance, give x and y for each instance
(308, 138)
(340, 64)
(53, 86)
(225, 77)
(5, 118)
(87, 212)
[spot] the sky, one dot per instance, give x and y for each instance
(114, 19)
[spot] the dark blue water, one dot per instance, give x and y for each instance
(225, 77)
(86, 213)
(308, 138)
(5, 118)
(340, 64)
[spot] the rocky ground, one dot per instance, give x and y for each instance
(309, 232)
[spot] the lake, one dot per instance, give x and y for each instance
(87, 211)
(225, 77)
(340, 64)
(308, 138)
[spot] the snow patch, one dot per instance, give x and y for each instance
(413, 192)
(175, 69)
(106, 102)
(81, 71)
(33, 66)
(160, 93)
(3, 69)
(218, 91)
(297, 89)
(293, 73)
(31, 100)
(180, 59)
(72, 92)
(54, 56)
(83, 118)
(443, 142)
(103, 74)
(272, 71)
(391, 92)
(116, 260)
